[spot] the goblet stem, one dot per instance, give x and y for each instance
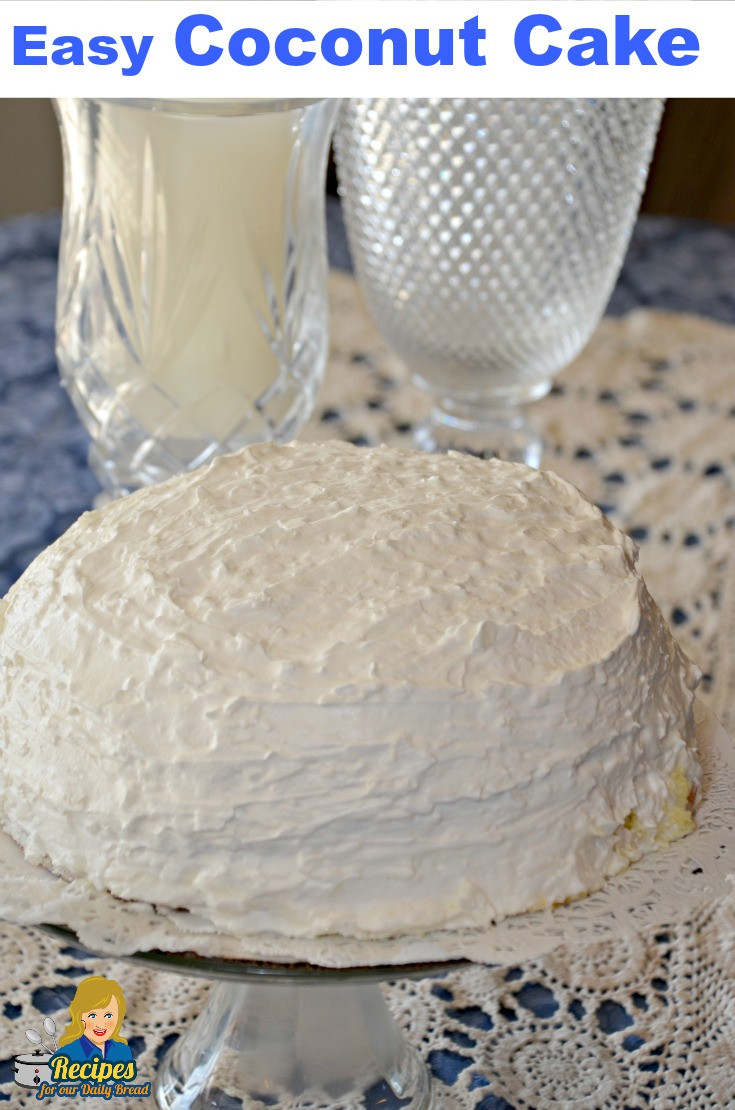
(490, 429)
(312, 1044)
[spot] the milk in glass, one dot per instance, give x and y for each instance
(189, 320)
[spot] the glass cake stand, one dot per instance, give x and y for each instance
(288, 1036)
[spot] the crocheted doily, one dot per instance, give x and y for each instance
(643, 423)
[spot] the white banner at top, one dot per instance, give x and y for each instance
(314, 48)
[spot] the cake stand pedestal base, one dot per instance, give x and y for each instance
(273, 1044)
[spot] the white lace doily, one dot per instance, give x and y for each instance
(644, 423)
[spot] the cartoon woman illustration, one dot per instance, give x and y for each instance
(97, 1011)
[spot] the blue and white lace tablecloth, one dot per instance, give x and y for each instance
(644, 423)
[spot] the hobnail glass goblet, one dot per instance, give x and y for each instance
(487, 236)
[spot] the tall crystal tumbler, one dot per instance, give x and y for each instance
(192, 297)
(487, 236)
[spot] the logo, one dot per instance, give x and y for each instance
(90, 1059)
(31, 1068)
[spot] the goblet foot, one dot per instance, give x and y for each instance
(490, 431)
(273, 1044)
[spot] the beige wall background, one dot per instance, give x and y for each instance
(30, 157)
(693, 172)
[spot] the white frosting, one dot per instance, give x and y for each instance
(324, 689)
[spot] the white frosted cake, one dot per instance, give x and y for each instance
(324, 689)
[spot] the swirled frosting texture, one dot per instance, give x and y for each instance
(322, 689)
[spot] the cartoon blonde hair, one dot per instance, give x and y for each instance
(93, 994)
